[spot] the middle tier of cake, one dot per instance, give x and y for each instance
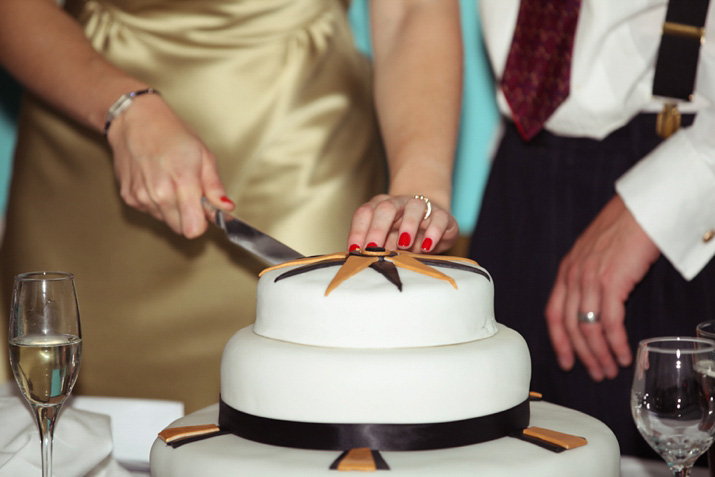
(281, 380)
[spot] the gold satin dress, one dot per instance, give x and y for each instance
(277, 91)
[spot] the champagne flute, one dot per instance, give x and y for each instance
(45, 344)
(671, 398)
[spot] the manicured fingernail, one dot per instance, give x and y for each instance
(354, 247)
(404, 240)
(372, 244)
(227, 201)
(427, 244)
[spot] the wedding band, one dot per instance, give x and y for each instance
(590, 317)
(429, 206)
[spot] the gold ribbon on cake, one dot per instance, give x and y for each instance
(362, 459)
(383, 261)
(178, 436)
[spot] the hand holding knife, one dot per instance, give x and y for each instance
(249, 238)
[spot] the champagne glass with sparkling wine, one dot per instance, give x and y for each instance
(672, 398)
(45, 344)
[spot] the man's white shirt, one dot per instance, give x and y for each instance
(671, 191)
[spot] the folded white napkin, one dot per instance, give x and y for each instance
(82, 444)
(135, 424)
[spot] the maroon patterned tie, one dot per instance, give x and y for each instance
(536, 76)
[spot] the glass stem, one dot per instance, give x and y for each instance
(46, 416)
(681, 471)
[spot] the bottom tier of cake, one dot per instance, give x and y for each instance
(231, 455)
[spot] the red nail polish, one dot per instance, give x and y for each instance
(427, 244)
(372, 244)
(354, 247)
(227, 200)
(404, 240)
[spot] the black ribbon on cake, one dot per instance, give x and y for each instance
(384, 437)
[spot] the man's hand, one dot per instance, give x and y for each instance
(597, 275)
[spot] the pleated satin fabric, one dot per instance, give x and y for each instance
(277, 91)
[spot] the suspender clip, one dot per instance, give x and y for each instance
(668, 120)
(683, 30)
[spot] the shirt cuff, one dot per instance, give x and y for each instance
(671, 194)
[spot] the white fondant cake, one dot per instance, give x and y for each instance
(279, 380)
(423, 344)
(227, 455)
(387, 350)
(367, 311)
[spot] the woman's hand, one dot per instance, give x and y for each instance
(399, 223)
(162, 166)
(418, 85)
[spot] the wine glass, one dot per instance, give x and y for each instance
(45, 344)
(706, 329)
(671, 398)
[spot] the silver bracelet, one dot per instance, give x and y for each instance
(122, 104)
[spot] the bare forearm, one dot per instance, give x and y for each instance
(162, 167)
(418, 75)
(47, 52)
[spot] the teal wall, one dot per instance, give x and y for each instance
(478, 124)
(479, 116)
(9, 103)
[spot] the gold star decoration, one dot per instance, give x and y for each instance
(386, 262)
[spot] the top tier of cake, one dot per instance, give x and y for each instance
(376, 299)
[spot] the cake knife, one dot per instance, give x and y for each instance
(249, 238)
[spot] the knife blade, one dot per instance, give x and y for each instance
(249, 238)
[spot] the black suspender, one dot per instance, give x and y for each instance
(677, 62)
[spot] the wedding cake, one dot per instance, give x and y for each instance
(374, 360)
